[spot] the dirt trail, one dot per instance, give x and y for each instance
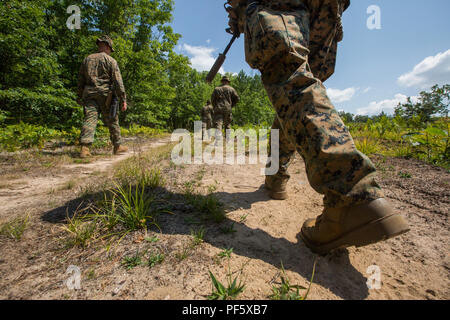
(262, 232)
(27, 191)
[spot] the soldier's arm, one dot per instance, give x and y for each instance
(235, 97)
(214, 98)
(118, 82)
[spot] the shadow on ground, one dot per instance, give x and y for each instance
(333, 272)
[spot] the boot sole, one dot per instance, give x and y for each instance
(375, 231)
(278, 195)
(281, 195)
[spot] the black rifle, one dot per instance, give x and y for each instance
(114, 106)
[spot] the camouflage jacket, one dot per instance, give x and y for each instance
(99, 72)
(224, 98)
(322, 45)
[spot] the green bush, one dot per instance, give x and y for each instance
(43, 106)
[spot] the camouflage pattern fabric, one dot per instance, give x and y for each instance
(99, 73)
(94, 106)
(207, 119)
(207, 116)
(223, 99)
(276, 42)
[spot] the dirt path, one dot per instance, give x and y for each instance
(29, 190)
(263, 234)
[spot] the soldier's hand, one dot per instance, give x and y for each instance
(124, 106)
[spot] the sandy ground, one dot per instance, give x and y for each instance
(264, 237)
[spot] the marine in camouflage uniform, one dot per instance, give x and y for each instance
(293, 43)
(223, 99)
(99, 73)
(207, 118)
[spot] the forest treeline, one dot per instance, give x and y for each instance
(41, 58)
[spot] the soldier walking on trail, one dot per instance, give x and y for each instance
(99, 79)
(293, 43)
(223, 99)
(207, 118)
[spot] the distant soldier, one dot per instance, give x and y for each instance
(223, 99)
(99, 76)
(207, 118)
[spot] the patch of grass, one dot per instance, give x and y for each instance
(208, 206)
(226, 253)
(228, 229)
(69, 185)
(133, 207)
(198, 236)
(82, 231)
(286, 291)
(154, 259)
(243, 218)
(91, 274)
(183, 254)
(404, 175)
(130, 262)
(15, 228)
(367, 146)
(151, 239)
(229, 291)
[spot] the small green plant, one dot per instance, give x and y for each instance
(231, 291)
(208, 206)
(134, 207)
(243, 218)
(154, 259)
(226, 253)
(15, 228)
(82, 231)
(152, 239)
(228, 229)
(184, 253)
(286, 291)
(130, 262)
(198, 236)
(367, 146)
(405, 175)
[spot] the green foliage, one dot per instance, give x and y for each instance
(154, 259)
(130, 262)
(430, 103)
(132, 207)
(24, 135)
(231, 291)
(15, 228)
(286, 291)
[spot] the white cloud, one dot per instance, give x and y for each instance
(432, 70)
(201, 57)
(337, 95)
(388, 106)
(367, 89)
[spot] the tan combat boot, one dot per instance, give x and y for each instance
(85, 153)
(352, 226)
(277, 187)
(120, 149)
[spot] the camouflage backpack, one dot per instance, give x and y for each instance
(325, 28)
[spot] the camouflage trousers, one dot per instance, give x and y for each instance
(277, 42)
(206, 125)
(93, 106)
(222, 120)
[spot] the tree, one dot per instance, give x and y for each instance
(429, 104)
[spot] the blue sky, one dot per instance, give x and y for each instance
(375, 69)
